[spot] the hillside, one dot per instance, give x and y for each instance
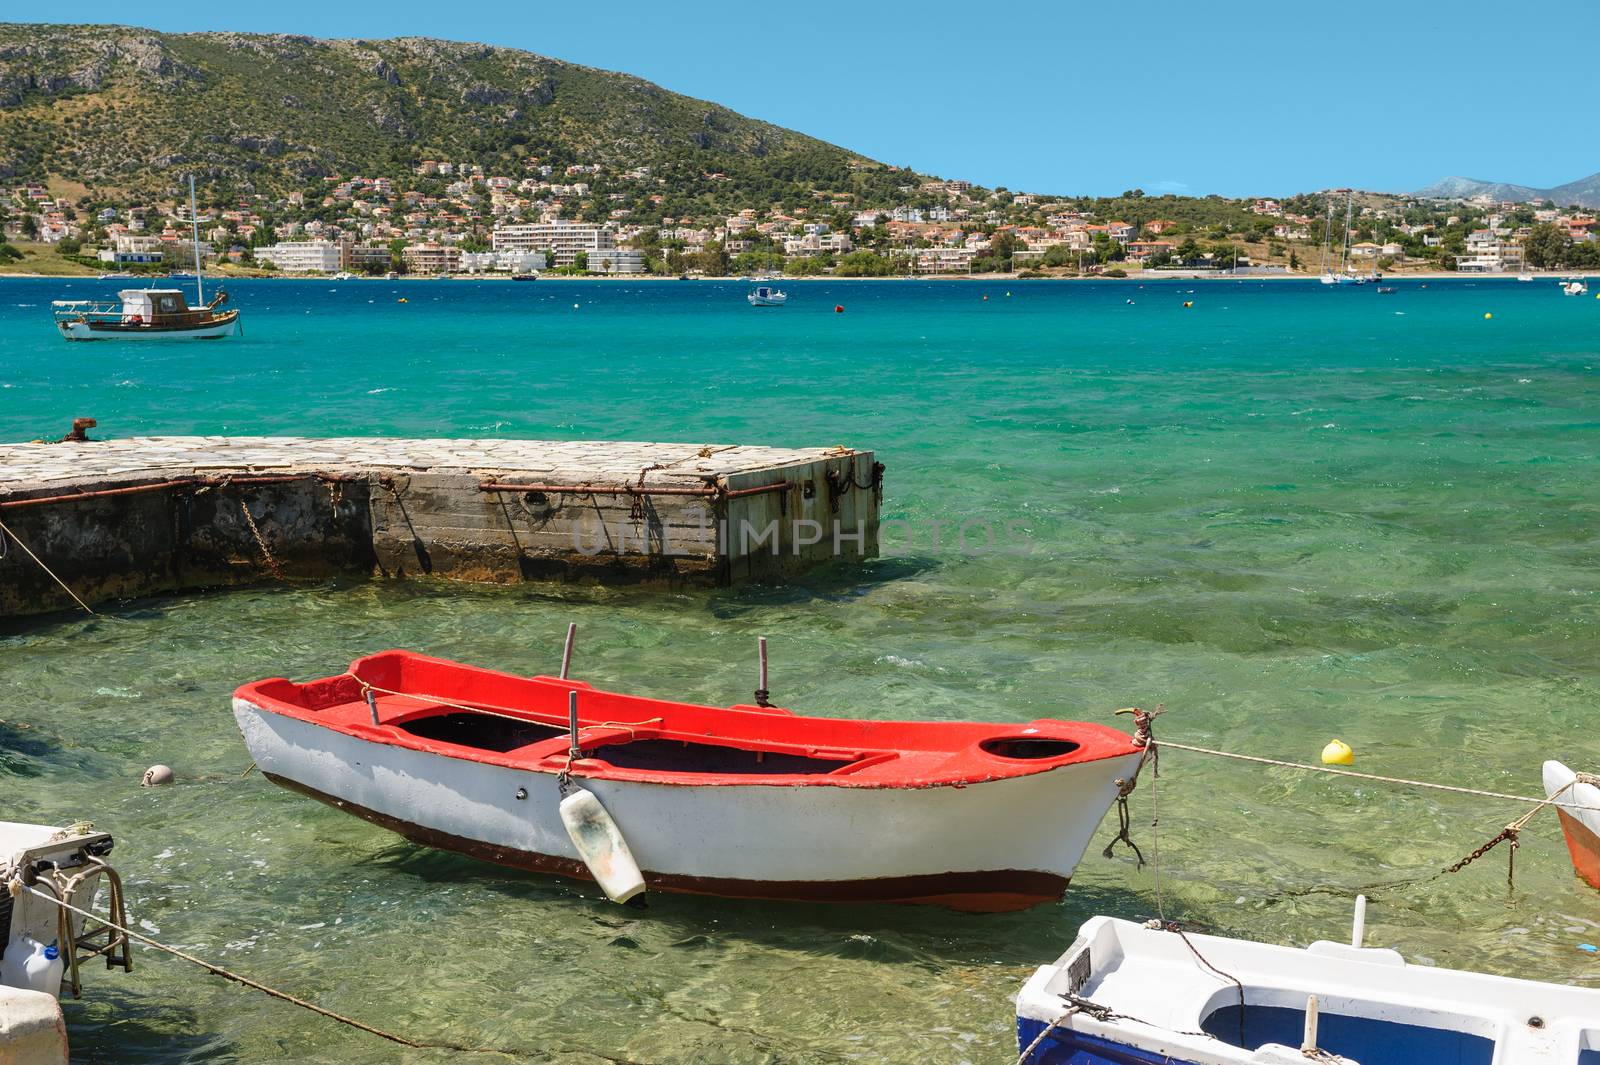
(127, 112)
(1585, 191)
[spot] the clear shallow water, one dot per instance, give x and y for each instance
(1289, 513)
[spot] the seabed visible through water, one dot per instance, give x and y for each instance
(1287, 513)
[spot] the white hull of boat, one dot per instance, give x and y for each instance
(1001, 844)
(1578, 805)
(1373, 1006)
(81, 331)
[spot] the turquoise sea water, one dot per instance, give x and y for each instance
(1287, 512)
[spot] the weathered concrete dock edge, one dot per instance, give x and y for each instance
(121, 518)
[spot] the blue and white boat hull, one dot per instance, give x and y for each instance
(1128, 994)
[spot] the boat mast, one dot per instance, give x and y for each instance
(1327, 234)
(1349, 204)
(194, 217)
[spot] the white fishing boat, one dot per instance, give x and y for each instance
(1127, 994)
(766, 296)
(150, 313)
(1579, 810)
(145, 314)
(42, 945)
(741, 801)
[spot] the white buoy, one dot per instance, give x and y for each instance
(156, 776)
(600, 844)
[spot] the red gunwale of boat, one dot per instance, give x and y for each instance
(410, 689)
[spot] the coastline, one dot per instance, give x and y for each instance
(1432, 275)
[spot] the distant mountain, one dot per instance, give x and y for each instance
(1585, 191)
(127, 112)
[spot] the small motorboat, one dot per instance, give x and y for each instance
(42, 945)
(767, 296)
(1387, 290)
(1128, 993)
(1578, 805)
(740, 801)
(524, 277)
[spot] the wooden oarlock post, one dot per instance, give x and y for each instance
(761, 684)
(372, 705)
(573, 750)
(566, 653)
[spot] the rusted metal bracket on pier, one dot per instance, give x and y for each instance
(705, 491)
(182, 482)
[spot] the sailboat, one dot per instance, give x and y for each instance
(1328, 276)
(1343, 277)
(151, 313)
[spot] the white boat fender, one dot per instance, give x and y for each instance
(600, 844)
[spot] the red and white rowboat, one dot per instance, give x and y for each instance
(1580, 817)
(742, 801)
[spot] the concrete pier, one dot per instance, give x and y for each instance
(120, 518)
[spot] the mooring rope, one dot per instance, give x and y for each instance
(1453, 788)
(256, 985)
(29, 551)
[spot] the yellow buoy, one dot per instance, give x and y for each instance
(1338, 752)
(1487, 316)
(402, 299)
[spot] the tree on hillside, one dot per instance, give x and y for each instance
(713, 261)
(1547, 246)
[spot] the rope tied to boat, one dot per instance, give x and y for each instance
(1143, 738)
(1454, 789)
(1511, 831)
(12, 537)
(1077, 1004)
(16, 886)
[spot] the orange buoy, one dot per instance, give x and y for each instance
(838, 308)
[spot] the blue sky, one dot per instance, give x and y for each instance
(1236, 98)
